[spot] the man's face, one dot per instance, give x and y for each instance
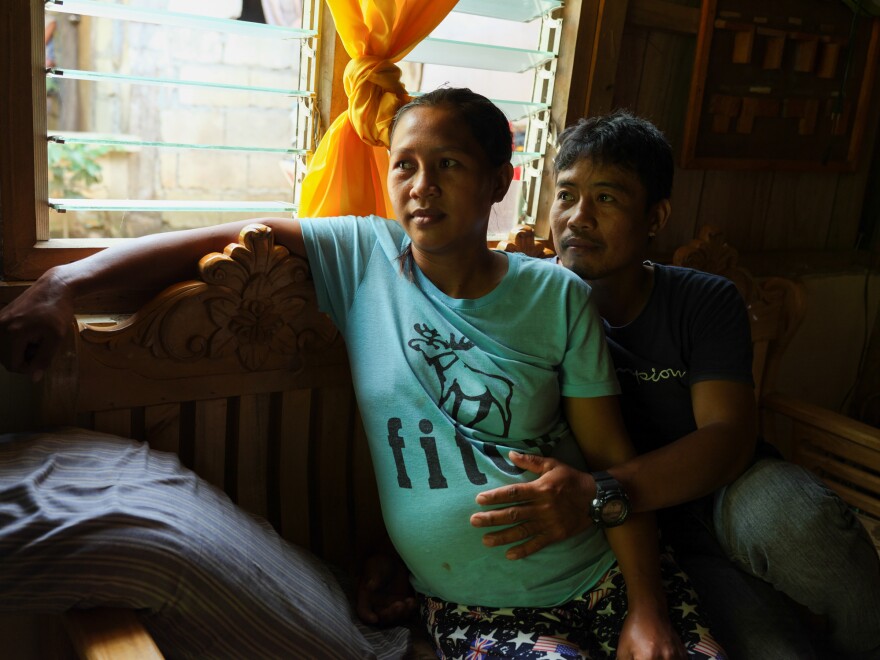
(599, 219)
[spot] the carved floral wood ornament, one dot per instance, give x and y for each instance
(522, 239)
(710, 252)
(775, 305)
(254, 304)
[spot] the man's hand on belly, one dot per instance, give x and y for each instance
(552, 508)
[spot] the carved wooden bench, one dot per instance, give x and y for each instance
(844, 452)
(241, 375)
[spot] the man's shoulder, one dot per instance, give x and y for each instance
(683, 274)
(678, 280)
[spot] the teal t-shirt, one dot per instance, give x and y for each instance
(446, 387)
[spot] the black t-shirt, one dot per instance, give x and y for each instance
(694, 327)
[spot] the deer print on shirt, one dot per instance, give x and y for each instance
(468, 391)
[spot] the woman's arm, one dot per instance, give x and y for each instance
(33, 325)
(647, 631)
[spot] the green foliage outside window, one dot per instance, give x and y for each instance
(73, 168)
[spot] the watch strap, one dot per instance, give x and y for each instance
(605, 481)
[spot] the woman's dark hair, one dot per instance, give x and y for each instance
(485, 120)
(489, 126)
(624, 140)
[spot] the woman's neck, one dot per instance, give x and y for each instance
(460, 276)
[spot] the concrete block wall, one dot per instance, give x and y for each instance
(188, 115)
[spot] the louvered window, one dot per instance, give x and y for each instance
(183, 119)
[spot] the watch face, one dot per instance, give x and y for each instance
(614, 511)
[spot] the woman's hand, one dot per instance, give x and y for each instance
(648, 635)
(385, 596)
(33, 325)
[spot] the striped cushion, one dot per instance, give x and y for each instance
(88, 520)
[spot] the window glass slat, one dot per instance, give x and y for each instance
(521, 11)
(477, 56)
(62, 138)
(98, 76)
(61, 204)
(160, 17)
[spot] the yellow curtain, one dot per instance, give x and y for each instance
(348, 170)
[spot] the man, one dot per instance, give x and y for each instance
(764, 542)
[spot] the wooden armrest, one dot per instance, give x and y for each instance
(110, 634)
(844, 453)
(824, 419)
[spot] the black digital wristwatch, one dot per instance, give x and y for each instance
(610, 507)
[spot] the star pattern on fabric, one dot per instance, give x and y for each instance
(575, 629)
(522, 637)
(702, 631)
(601, 590)
(606, 584)
(687, 609)
(607, 610)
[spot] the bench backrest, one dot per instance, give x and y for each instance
(241, 376)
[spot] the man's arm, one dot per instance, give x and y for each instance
(33, 325)
(700, 462)
(695, 465)
(647, 631)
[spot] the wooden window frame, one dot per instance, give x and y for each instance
(24, 210)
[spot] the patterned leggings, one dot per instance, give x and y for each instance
(586, 627)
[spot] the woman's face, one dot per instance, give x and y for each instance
(440, 182)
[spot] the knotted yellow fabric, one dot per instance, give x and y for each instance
(347, 173)
(362, 76)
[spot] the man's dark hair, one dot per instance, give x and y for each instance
(487, 123)
(624, 140)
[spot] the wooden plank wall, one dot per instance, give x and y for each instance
(650, 52)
